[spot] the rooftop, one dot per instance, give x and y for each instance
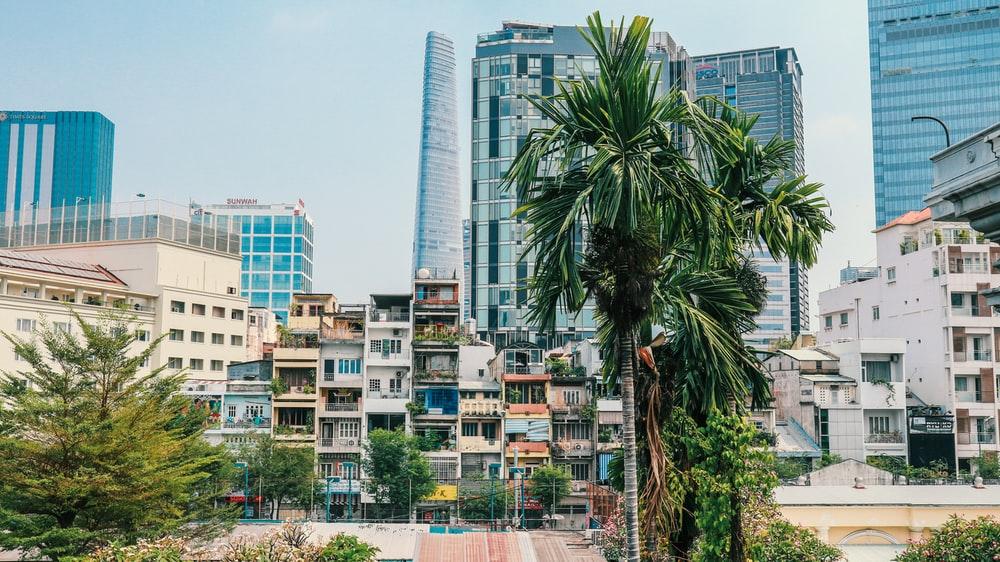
(946, 496)
(807, 355)
(41, 264)
(910, 217)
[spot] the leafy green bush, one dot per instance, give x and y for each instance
(782, 541)
(958, 540)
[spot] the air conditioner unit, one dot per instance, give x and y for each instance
(399, 374)
(230, 290)
(397, 331)
(579, 447)
(350, 443)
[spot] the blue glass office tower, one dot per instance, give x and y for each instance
(525, 59)
(437, 224)
(54, 159)
(768, 83)
(939, 58)
(276, 242)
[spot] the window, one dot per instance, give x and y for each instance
(580, 471)
(568, 431)
(875, 371)
(875, 313)
(176, 335)
(61, 327)
(349, 429)
(175, 362)
(957, 300)
(470, 429)
(890, 274)
(219, 339)
(571, 396)
(375, 385)
(197, 364)
(490, 430)
(197, 309)
(218, 312)
(843, 318)
(961, 384)
(25, 325)
(349, 366)
(375, 346)
(395, 386)
(231, 411)
(329, 366)
(142, 335)
(177, 306)
(235, 340)
(145, 362)
(216, 365)
(236, 314)
(197, 337)
(828, 322)
(878, 425)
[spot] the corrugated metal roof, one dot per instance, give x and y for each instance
(830, 378)
(43, 264)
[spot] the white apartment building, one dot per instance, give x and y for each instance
(262, 332)
(930, 274)
(35, 289)
(194, 298)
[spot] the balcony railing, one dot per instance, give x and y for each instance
(329, 442)
(389, 316)
(342, 406)
(533, 369)
(975, 438)
(481, 408)
(384, 356)
(968, 396)
(567, 409)
(255, 423)
(961, 356)
(894, 437)
(343, 334)
(436, 374)
(386, 395)
(962, 267)
(479, 444)
(574, 448)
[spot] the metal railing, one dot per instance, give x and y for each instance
(976, 438)
(383, 395)
(342, 406)
(893, 437)
(329, 442)
(482, 407)
(968, 396)
(396, 356)
(255, 423)
(389, 316)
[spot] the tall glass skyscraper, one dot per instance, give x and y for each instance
(524, 59)
(938, 58)
(276, 242)
(768, 83)
(437, 224)
(54, 159)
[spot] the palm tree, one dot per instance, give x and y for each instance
(610, 197)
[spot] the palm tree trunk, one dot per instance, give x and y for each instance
(626, 353)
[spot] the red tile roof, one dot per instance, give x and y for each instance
(911, 217)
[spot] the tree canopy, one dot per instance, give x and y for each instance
(398, 474)
(282, 474)
(96, 448)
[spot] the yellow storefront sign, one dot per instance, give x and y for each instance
(444, 493)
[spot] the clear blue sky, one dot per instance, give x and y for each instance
(321, 100)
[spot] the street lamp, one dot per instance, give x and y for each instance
(349, 467)
(246, 487)
(947, 135)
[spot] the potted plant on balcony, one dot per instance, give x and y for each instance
(514, 396)
(416, 408)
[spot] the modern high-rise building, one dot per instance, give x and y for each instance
(934, 58)
(523, 59)
(437, 224)
(277, 247)
(54, 159)
(467, 268)
(767, 83)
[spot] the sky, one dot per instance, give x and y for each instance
(321, 101)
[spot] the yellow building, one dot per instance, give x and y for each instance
(858, 519)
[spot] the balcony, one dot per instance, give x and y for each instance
(341, 380)
(573, 448)
(342, 334)
(390, 316)
(482, 408)
(435, 375)
(388, 395)
(567, 410)
(307, 392)
(974, 438)
(893, 437)
(303, 353)
(338, 445)
(479, 445)
(341, 406)
(968, 396)
(255, 423)
(528, 409)
(438, 337)
(385, 358)
(963, 356)
(528, 449)
(294, 433)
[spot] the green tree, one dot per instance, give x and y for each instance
(281, 474)
(348, 548)
(399, 475)
(94, 450)
(474, 493)
(666, 240)
(958, 540)
(549, 485)
(782, 541)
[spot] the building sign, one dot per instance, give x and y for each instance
(706, 71)
(444, 493)
(342, 487)
(23, 116)
(932, 424)
(241, 201)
